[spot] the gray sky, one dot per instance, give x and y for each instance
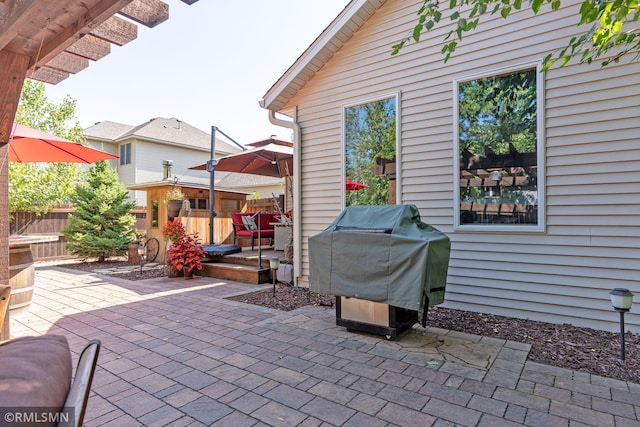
(209, 64)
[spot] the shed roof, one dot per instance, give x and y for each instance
(144, 186)
(235, 180)
(352, 17)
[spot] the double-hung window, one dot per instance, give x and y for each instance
(125, 154)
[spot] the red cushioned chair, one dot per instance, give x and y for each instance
(240, 230)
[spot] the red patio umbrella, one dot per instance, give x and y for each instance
(31, 145)
(354, 186)
(267, 160)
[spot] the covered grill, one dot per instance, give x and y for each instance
(383, 264)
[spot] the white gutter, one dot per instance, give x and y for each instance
(297, 205)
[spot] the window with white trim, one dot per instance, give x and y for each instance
(125, 154)
(370, 152)
(499, 151)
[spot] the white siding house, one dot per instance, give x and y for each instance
(586, 237)
(143, 148)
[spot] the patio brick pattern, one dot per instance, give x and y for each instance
(176, 352)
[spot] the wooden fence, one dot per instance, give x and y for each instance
(52, 223)
(56, 219)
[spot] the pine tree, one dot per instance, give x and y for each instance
(102, 224)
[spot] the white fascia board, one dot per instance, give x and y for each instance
(327, 40)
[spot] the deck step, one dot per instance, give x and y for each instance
(237, 272)
(248, 259)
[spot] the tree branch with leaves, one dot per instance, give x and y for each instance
(612, 31)
(35, 187)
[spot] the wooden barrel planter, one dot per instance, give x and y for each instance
(21, 278)
(22, 270)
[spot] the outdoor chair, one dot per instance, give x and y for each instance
(37, 373)
(244, 228)
(79, 392)
(5, 295)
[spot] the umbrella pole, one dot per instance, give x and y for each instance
(259, 243)
(211, 166)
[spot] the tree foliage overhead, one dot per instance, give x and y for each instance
(611, 26)
(498, 112)
(35, 187)
(102, 224)
(38, 112)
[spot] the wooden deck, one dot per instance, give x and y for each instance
(243, 266)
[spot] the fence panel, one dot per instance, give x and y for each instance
(52, 223)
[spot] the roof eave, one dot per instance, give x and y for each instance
(319, 52)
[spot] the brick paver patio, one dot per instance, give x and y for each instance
(175, 352)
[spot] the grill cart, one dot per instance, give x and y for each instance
(383, 264)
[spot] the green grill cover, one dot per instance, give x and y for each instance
(380, 253)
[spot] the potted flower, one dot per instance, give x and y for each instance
(173, 230)
(174, 202)
(186, 254)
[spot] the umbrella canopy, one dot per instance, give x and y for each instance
(31, 145)
(354, 186)
(268, 160)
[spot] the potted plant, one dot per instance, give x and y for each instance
(174, 202)
(186, 254)
(173, 230)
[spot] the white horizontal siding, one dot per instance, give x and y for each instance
(146, 166)
(592, 239)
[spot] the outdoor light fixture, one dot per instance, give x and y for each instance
(274, 264)
(141, 250)
(621, 300)
(496, 176)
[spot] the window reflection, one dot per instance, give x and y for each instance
(154, 213)
(497, 148)
(370, 153)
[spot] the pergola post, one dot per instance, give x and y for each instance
(14, 68)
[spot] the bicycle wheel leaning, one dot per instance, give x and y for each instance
(152, 248)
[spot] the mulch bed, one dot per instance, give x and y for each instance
(562, 345)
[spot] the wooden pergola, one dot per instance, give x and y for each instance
(47, 41)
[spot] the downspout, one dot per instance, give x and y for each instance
(297, 204)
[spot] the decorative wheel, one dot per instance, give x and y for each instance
(152, 247)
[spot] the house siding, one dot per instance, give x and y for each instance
(151, 155)
(591, 241)
(146, 166)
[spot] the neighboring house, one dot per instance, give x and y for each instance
(144, 148)
(541, 229)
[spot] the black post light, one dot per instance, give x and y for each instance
(621, 300)
(274, 264)
(141, 251)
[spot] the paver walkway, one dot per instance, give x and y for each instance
(175, 352)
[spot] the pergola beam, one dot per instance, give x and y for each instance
(146, 12)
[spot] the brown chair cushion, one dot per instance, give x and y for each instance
(35, 372)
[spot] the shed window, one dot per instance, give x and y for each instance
(198, 203)
(154, 214)
(499, 151)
